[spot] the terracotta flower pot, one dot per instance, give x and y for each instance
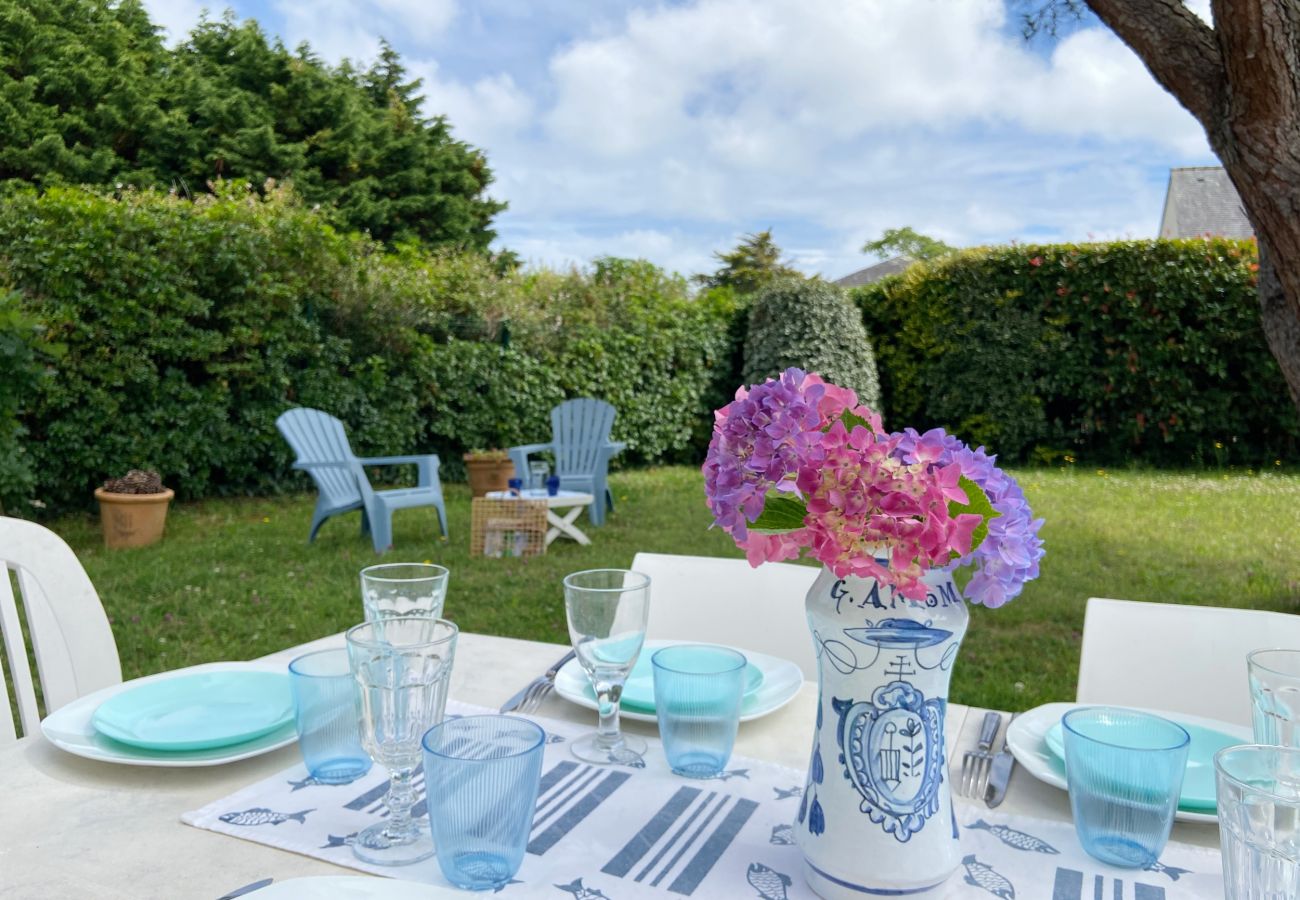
(132, 520)
(488, 473)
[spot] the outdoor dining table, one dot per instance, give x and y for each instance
(72, 827)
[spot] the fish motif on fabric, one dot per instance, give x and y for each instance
(1016, 839)
(333, 840)
(581, 891)
(782, 794)
(782, 834)
(1172, 871)
(552, 738)
(260, 815)
(732, 773)
(770, 884)
(309, 781)
(985, 876)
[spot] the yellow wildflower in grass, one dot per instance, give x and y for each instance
(1218, 445)
(266, 520)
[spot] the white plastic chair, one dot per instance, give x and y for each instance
(71, 638)
(1188, 659)
(726, 601)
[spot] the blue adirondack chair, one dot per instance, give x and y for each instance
(582, 449)
(325, 454)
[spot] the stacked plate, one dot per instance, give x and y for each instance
(200, 716)
(771, 683)
(1035, 739)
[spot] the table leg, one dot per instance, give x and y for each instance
(564, 525)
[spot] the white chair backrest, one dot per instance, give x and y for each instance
(71, 638)
(726, 601)
(1188, 659)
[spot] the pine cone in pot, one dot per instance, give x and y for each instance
(136, 481)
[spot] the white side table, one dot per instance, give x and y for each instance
(573, 501)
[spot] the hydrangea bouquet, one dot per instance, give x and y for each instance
(796, 464)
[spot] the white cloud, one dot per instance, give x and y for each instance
(490, 110)
(177, 17)
(669, 131)
(351, 29)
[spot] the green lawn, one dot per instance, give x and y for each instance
(235, 579)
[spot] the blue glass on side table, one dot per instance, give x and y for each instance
(1125, 772)
(482, 774)
(326, 712)
(698, 692)
(553, 486)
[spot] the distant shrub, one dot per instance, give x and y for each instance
(191, 326)
(1133, 350)
(812, 325)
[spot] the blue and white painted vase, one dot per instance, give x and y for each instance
(876, 815)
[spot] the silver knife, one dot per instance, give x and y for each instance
(246, 889)
(513, 702)
(1000, 772)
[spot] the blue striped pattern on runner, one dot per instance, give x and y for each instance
(1069, 886)
(681, 825)
(644, 839)
(569, 793)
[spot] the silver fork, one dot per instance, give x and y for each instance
(976, 763)
(537, 690)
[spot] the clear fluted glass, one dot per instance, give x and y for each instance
(698, 692)
(1259, 821)
(402, 668)
(1275, 696)
(403, 589)
(607, 611)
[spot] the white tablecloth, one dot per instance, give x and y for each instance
(72, 828)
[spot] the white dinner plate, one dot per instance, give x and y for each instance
(1027, 741)
(71, 728)
(354, 887)
(781, 681)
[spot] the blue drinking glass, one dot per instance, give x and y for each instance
(698, 692)
(326, 713)
(1125, 773)
(481, 775)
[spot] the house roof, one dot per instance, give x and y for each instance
(875, 273)
(1202, 201)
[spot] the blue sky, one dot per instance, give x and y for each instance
(669, 130)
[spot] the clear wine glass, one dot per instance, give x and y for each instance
(607, 610)
(402, 668)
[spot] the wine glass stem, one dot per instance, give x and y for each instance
(400, 799)
(607, 697)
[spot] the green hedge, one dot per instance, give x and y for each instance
(189, 327)
(1146, 350)
(812, 325)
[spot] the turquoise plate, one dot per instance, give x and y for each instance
(1198, 781)
(197, 712)
(639, 689)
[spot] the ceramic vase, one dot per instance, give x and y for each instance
(876, 815)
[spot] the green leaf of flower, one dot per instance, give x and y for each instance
(980, 505)
(781, 513)
(852, 419)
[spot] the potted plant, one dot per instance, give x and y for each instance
(489, 470)
(133, 509)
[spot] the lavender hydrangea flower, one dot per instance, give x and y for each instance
(760, 440)
(1008, 557)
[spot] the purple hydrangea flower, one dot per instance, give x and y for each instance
(759, 442)
(1009, 555)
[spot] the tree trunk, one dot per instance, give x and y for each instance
(1281, 325)
(1241, 80)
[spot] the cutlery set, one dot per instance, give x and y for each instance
(984, 774)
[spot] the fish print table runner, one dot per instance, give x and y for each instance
(621, 833)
